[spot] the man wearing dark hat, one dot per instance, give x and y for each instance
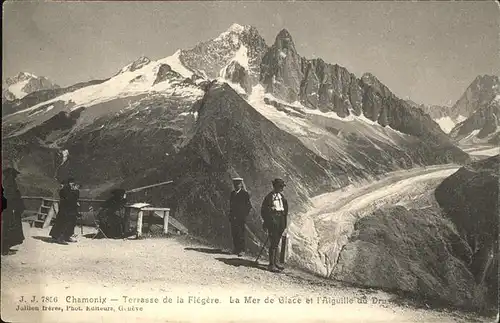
(64, 225)
(239, 208)
(274, 212)
(12, 227)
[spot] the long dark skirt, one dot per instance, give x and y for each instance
(64, 225)
(12, 229)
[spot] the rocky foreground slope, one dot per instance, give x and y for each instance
(470, 199)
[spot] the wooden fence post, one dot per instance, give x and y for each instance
(165, 221)
(139, 224)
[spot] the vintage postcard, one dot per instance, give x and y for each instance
(250, 161)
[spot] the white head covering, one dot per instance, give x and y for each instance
(239, 179)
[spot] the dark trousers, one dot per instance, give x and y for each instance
(238, 232)
(276, 227)
(69, 228)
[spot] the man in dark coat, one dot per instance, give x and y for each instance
(64, 225)
(111, 216)
(274, 212)
(12, 228)
(239, 208)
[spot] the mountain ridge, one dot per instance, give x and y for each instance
(482, 101)
(23, 84)
(357, 129)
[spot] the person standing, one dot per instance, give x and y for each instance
(64, 225)
(4, 200)
(239, 208)
(12, 227)
(274, 212)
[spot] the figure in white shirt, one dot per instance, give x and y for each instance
(274, 212)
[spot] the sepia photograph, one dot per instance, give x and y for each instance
(250, 161)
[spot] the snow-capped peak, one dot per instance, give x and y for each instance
(22, 76)
(237, 28)
(135, 65)
(23, 84)
(26, 75)
(131, 82)
(234, 29)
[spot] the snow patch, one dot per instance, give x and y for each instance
(176, 64)
(17, 89)
(471, 135)
(366, 120)
(373, 128)
(461, 118)
(486, 152)
(385, 133)
(282, 55)
(446, 124)
(295, 126)
(121, 86)
(49, 108)
(194, 114)
(65, 154)
(30, 75)
(241, 56)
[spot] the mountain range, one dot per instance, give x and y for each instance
(235, 106)
(358, 125)
(440, 114)
(474, 117)
(17, 87)
(481, 104)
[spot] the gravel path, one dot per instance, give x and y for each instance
(172, 268)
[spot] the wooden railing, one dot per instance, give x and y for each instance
(57, 200)
(151, 210)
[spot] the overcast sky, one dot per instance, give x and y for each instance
(427, 51)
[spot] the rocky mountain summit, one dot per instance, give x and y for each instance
(481, 102)
(17, 87)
